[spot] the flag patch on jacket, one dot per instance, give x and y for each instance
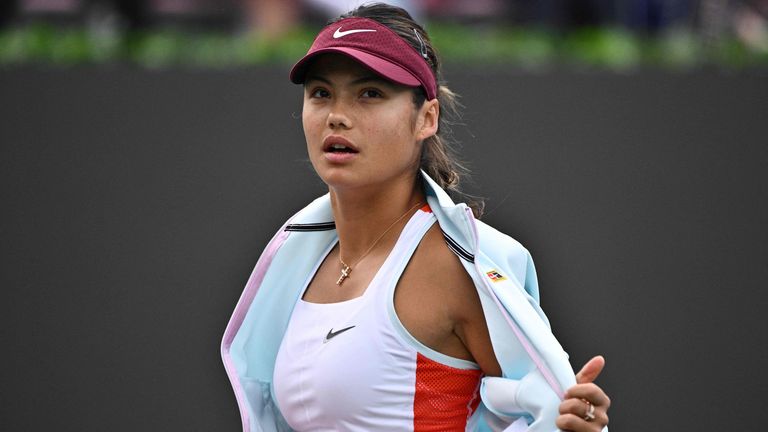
(495, 276)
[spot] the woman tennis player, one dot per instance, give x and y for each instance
(384, 305)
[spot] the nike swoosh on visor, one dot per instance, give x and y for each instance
(338, 33)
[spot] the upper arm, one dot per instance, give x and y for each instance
(437, 302)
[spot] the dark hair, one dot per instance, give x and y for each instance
(438, 156)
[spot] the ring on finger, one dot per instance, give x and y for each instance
(589, 414)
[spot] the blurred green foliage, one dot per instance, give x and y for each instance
(524, 48)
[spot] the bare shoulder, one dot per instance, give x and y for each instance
(436, 277)
(438, 304)
(445, 272)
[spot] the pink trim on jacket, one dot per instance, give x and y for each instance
(241, 310)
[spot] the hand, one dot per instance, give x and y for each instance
(578, 398)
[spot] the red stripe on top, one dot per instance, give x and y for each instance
(426, 209)
(445, 396)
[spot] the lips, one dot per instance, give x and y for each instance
(338, 144)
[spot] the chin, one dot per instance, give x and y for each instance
(339, 177)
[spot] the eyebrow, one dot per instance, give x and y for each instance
(362, 80)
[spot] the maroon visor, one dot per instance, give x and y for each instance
(375, 46)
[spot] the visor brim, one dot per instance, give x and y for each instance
(380, 66)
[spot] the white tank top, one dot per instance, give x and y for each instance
(352, 366)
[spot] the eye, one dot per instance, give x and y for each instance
(371, 93)
(319, 93)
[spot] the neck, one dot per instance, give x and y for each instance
(362, 215)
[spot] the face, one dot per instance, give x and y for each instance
(362, 130)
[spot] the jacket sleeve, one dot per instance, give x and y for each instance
(524, 399)
(530, 283)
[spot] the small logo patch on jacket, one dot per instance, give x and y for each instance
(495, 276)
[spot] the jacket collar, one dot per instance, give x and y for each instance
(455, 220)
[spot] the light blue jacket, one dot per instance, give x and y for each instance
(535, 368)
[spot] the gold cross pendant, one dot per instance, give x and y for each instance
(345, 271)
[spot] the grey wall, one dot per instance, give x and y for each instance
(134, 205)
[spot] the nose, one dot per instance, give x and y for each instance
(338, 119)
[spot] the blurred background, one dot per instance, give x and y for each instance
(149, 149)
(616, 34)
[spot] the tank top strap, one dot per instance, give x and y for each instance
(401, 253)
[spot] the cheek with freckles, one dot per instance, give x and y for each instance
(393, 143)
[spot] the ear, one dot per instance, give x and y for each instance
(429, 118)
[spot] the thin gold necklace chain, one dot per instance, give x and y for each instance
(346, 269)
